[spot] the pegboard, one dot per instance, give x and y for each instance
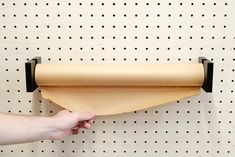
(121, 31)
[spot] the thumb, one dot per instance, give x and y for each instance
(83, 116)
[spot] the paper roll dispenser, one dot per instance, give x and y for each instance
(31, 83)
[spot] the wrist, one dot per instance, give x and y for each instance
(49, 128)
(52, 130)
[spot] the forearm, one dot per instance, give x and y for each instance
(19, 129)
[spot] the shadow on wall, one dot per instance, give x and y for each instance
(43, 107)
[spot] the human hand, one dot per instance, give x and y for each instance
(66, 123)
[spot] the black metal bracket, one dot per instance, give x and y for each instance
(30, 73)
(208, 74)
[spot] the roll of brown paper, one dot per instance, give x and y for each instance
(111, 89)
(120, 75)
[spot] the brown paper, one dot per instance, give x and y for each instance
(107, 101)
(113, 89)
(119, 75)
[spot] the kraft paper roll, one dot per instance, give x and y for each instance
(112, 89)
(119, 75)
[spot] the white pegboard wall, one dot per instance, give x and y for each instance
(120, 31)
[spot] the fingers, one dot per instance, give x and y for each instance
(85, 116)
(91, 121)
(75, 131)
(84, 124)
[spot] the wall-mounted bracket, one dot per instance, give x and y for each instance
(208, 74)
(30, 73)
